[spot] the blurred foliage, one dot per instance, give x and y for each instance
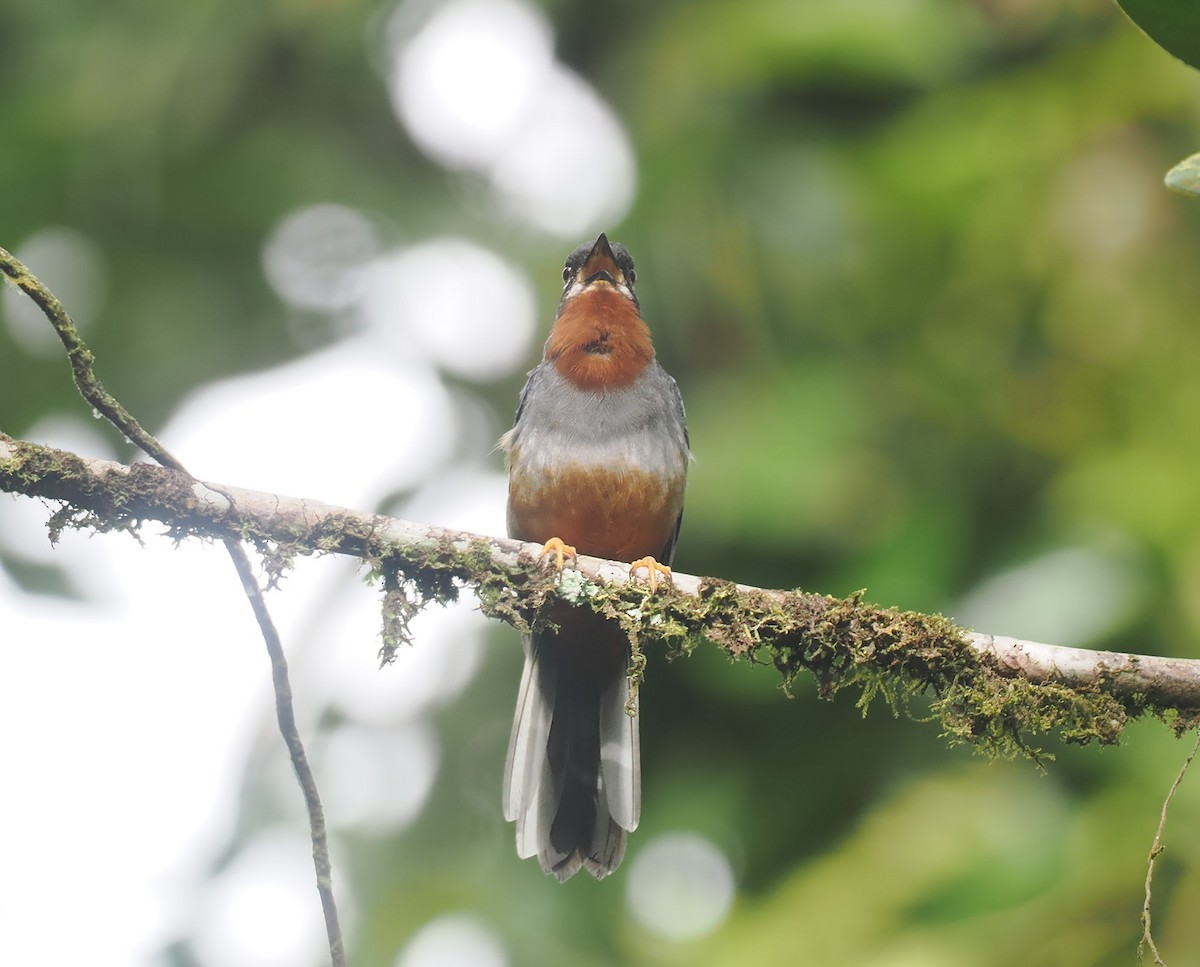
(933, 316)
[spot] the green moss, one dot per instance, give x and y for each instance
(900, 656)
(398, 609)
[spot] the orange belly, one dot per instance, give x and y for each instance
(618, 514)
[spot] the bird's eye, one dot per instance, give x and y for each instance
(567, 274)
(632, 276)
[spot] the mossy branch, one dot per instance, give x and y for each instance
(998, 694)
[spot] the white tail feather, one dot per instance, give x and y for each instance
(620, 755)
(526, 762)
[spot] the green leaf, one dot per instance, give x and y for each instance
(1172, 24)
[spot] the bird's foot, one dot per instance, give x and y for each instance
(655, 572)
(560, 551)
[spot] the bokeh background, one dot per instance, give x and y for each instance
(935, 322)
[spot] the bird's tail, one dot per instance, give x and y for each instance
(572, 780)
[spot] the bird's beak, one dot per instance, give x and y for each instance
(601, 265)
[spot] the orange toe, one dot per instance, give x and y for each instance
(561, 551)
(654, 571)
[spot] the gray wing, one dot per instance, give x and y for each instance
(533, 378)
(668, 554)
(677, 399)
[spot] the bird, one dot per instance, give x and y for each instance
(597, 464)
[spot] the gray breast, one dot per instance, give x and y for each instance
(639, 426)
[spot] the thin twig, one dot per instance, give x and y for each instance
(83, 368)
(82, 362)
(291, 735)
(1155, 850)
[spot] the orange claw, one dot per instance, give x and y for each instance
(561, 552)
(653, 570)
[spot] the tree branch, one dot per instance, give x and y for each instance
(998, 693)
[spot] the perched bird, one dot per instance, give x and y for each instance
(597, 464)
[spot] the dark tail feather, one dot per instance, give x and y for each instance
(583, 831)
(571, 782)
